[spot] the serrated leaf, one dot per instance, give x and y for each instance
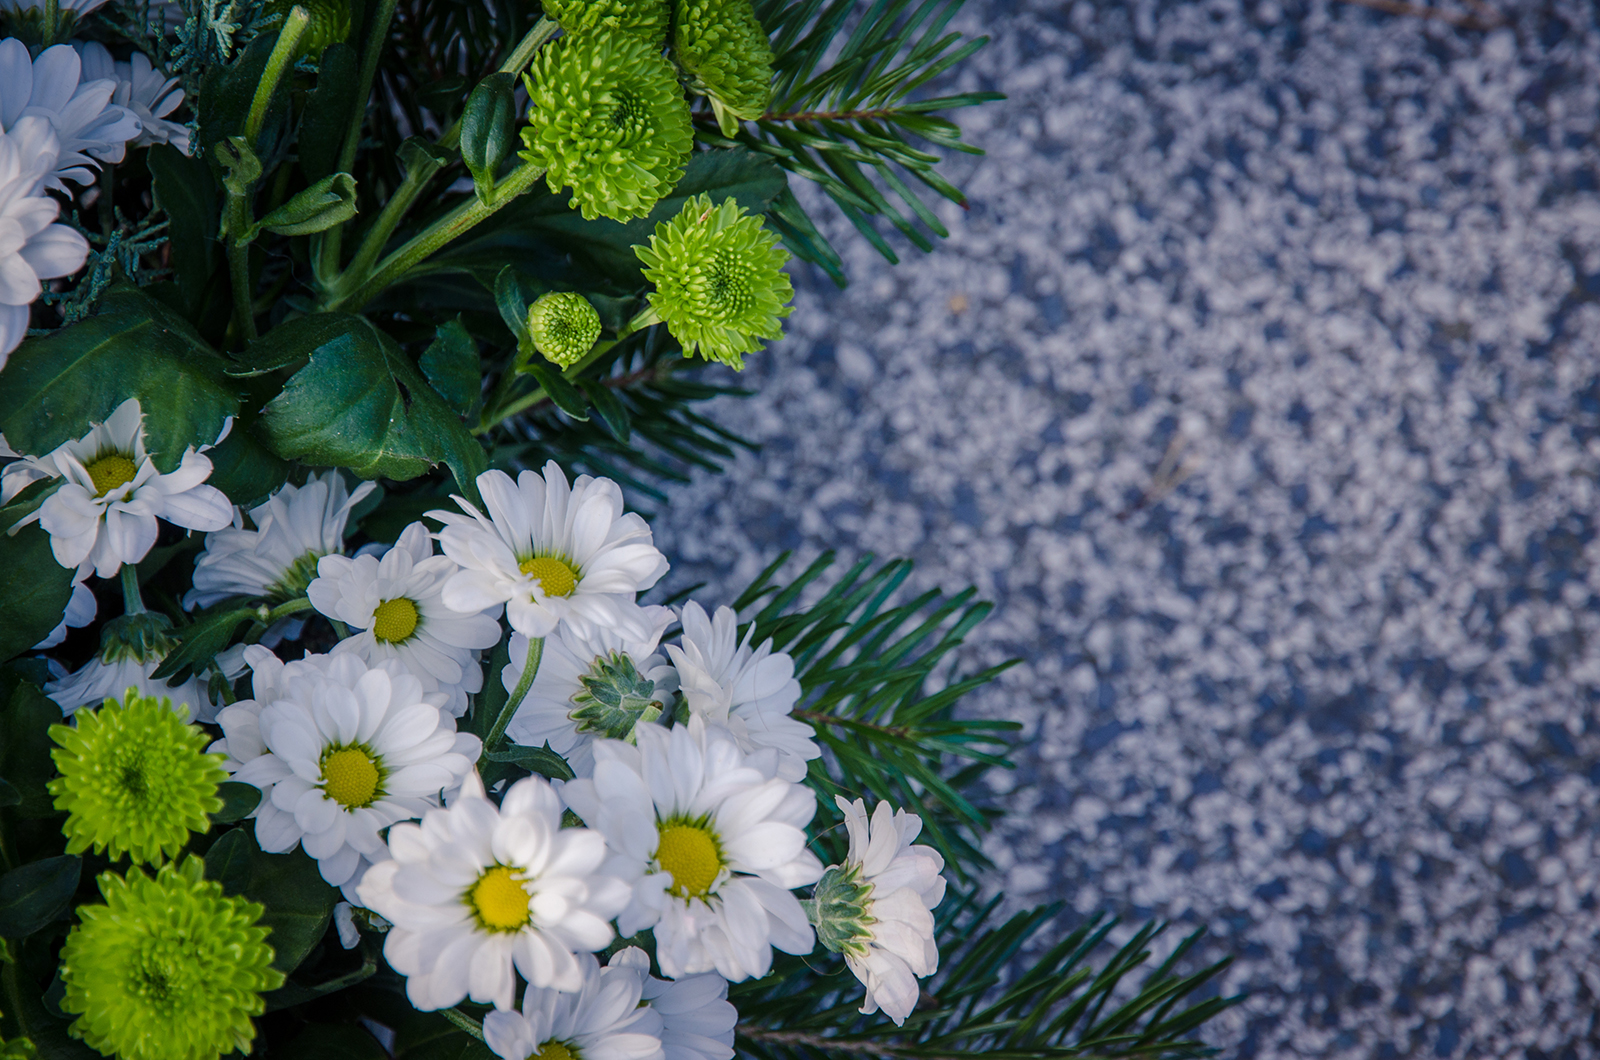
(35, 894)
(299, 904)
(53, 388)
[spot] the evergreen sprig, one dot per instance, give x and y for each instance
(849, 126)
(992, 999)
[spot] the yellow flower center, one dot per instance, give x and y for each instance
(350, 777)
(556, 1051)
(500, 900)
(394, 620)
(553, 576)
(111, 471)
(689, 853)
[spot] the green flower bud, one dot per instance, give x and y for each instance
(719, 279)
(837, 909)
(330, 23)
(646, 18)
(607, 119)
(564, 326)
(723, 47)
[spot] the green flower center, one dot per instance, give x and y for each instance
(350, 776)
(555, 578)
(111, 471)
(689, 853)
(628, 112)
(728, 283)
(500, 900)
(394, 620)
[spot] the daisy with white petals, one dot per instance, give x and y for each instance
(876, 907)
(90, 127)
(750, 690)
(711, 841)
(395, 604)
(33, 248)
(105, 512)
(340, 751)
(548, 551)
(109, 675)
(592, 682)
(146, 91)
(475, 891)
(294, 529)
(606, 1019)
(696, 1019)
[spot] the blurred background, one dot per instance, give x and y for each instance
(1260, 388)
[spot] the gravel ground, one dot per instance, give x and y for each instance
(1259, 389)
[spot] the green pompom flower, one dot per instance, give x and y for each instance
(645, 18)
(564, 326)
(723, 47)
(719, 279)
(135, 779)
(168, 968)
(607, 119)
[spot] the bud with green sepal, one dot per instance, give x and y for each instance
(564, 326)
(724, 49)
(837, 910)
(615, 699)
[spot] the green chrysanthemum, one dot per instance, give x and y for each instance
(607, 119)
(719, 279)
(564, 326)
(644, 18)
(135, 779)
(723, 47)
(168, 969)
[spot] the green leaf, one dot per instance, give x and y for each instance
(35, 589)
(540, 760)
(330, 201)
(607, 405)
(451, 364)
(184, 188)
(244, 468)
(298, 903)
(9, 795)
(227, 91)
(511, 297)
(360, 403)
(333, 1041)
(562, 393)
(238, 800)
(25, 745)
(35, 894)
(328, 111)
(53, 388)
(489, 130)
(201, 640)
(296, 993)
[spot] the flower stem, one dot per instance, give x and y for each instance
(132, 602)
(244, 316)
(465, 1022)
(284, 610)
(530, 669)
(282, 58)
(333, 239)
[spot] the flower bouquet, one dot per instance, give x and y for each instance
(342, 711)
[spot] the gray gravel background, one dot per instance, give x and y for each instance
(1333, 695)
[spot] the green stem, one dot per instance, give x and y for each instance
(52, 22)
(458, 221)
(284, 610)
(465, 1022)
(244, 316)
(530, 669)
(498, 414)
(333, 239)
(282, 58)
(132, 602)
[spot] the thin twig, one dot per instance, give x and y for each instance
(1169, 475)
(1488, 17)
(833, 719)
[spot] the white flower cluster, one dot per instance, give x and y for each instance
(689, 770)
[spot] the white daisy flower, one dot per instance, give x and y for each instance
(697, 1020)
(105, 512)
(710, 840)
(294, 529)
(606, 1019)
(751, 691)
(395, 603)
(592, 682)
(475, 891)
(32, 247)
(340, 750)
(146, 91)
(109, 676)
(548, 551)
(875, 908)
(81, 610)
(90, 127)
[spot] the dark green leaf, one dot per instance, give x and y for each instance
(244, 468)
(360, 403)
(560, 391)
(9, 795)
(327, 113)
(333, 1041)
(201, 640)
(298, 903)
(35, 894)
(512, 297)
(227, 92)
(451, 364)
(53, 388)
(296, 993)
(184, 188)
(328, 202)
(607, 405)
(237, 801)
(540, 760)
(25, 745)
(35, 589)
(489, 129)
